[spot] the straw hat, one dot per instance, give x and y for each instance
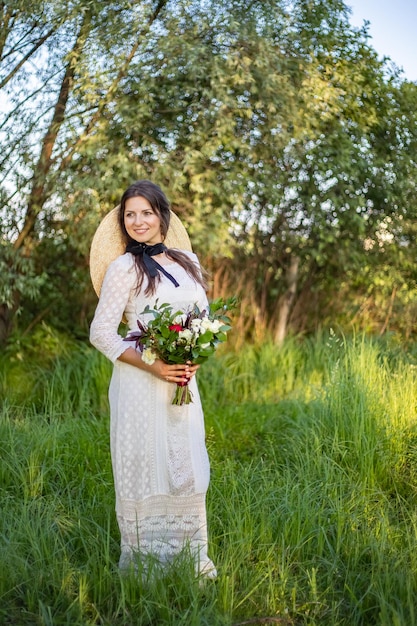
(108, 244)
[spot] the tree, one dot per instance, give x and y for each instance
(66, 39)
(281, 138)
(88, 148)
(346, 168)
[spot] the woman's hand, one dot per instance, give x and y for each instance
(182, 373)
(173, 373)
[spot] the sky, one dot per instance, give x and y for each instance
(393, 28)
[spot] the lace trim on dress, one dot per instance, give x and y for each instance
(164, 525)
(161, 505)
(164, 537)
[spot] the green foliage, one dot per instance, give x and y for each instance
(311, 505)
(273, 127)
(18, 276)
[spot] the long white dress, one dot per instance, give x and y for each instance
(159, 457)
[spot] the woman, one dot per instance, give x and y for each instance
(159, 457)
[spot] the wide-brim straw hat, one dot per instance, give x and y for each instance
(108, 244)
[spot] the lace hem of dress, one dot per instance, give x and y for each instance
(161, 505)
(164, 537)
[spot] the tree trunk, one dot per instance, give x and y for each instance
(286, 301)
(4, 324)
(7, 315)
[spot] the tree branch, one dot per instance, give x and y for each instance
(27, 56)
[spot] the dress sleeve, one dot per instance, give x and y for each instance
(117, 285)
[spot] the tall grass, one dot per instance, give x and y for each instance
(312, 504)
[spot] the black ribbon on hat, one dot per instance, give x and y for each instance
(147, 252)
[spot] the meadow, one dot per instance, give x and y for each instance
(312, 504)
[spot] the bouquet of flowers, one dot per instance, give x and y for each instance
(181, 337)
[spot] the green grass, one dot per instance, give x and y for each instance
(312, 505)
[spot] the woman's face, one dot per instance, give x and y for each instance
(141, 222)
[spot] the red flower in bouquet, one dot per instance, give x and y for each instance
(181, 337)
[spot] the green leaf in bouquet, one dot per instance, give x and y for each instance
(198, 358)
(205, 337)
(206, 352)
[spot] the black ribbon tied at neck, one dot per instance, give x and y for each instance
(147, 252)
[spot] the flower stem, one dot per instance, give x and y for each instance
(182, 395)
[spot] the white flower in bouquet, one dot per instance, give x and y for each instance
(212, 325)
(185, 334)
(196, 325)
(148, 356)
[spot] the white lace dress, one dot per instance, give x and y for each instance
(159, 457)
